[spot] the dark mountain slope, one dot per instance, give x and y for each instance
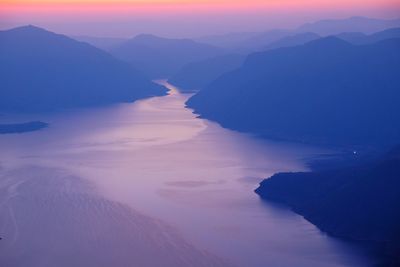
(40, 70)
(327, 91)
(197, 75)
(361, 203)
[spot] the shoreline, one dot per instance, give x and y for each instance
(331, 196)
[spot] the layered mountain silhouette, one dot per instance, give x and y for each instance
(359, 202)
(326, 91)
(41, 70)
(353, 24)
(257, 41)
(161, 57)
(245, 43)
(292, 40)
(229, 40)
(262, 40)
(197, 75)
(105, 43)
(361, 38)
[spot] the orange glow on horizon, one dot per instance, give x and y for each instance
(64, 10)
(181, 17)
(202, 4)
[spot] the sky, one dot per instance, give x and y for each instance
(182, 18)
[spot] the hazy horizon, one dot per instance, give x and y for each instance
(183, 19)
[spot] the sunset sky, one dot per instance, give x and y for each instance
(123, 18)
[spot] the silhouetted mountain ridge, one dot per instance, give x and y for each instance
(293, 40)
(256, 41)
(360, 202)
(326, 91)
(352, 24)
(161, 57)
(360, 38)
(41, 70)
(105, 43)
(197, 75)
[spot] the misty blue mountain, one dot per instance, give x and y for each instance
(105, 43)
(246, 42)
(293, 40)
(197, 75)
(229, 40)
(361, 38)
(353, 24)
(261, 40)
(161, 57)
(41, 70)
(318, 92)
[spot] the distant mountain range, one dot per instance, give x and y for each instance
(229, 40)
(292, 40)
(105, 43)
(247, 42)
(41, 70)
(192, 64)
(262, 40)
(197, 75)
(361, 38)
(353, 24)
(327, 91)
(161, 57)
(359, 202)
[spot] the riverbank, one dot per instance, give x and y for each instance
(155, 158)
(357, 202)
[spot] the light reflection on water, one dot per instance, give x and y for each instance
(158, 158)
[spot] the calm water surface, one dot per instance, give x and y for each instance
(150, 177)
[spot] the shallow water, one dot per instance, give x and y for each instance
(149, 184)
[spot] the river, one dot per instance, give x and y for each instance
(150, 184)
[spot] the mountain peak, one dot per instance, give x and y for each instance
(28, 31)
(42, 61)
(28, 28)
